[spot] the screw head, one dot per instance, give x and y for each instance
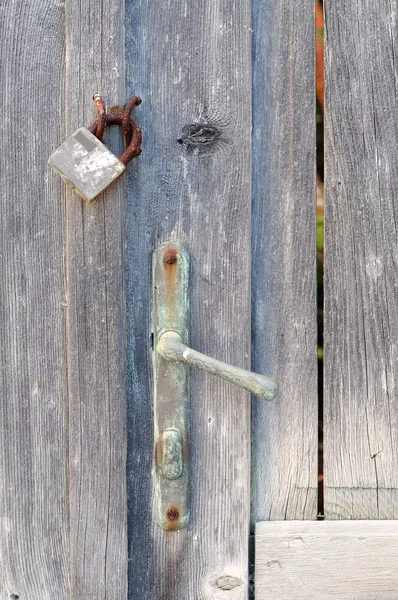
(170, 258)
(173, 514)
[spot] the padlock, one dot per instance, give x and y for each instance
(85, 163)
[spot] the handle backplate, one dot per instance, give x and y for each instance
(171, 388)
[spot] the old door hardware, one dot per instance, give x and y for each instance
(84, 162)
(172, 359)
(171, 348)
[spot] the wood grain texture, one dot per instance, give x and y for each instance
(354, 560)
(191, 64)
(361, 270)
(33, 434)
(96, 340)
(284, 433)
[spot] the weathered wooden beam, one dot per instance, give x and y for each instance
(326, 559)
(191, 63)
(361, 270)
(285, 432)
(96, 323)
(33, 432)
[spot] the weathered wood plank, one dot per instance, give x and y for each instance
(33, 443)
(190, 62)
(327, 559)
(284, 433)
(361, 271)
(96, 340)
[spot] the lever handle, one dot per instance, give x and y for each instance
(171, 348)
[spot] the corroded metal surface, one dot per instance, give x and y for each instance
(130, 128)
(172, 458)
(171, 389)
(171, 348)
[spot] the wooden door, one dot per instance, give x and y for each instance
(227, 169)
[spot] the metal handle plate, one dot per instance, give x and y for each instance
(171, 395)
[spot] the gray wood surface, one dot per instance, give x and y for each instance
(96, 339)
(361, 302)
(191, 64)
(285, 432)
(331, 560)
(33, 434)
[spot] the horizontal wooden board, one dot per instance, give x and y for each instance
(327, 560)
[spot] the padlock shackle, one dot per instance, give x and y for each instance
(130, 128)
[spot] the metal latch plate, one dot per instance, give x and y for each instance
(171, 389)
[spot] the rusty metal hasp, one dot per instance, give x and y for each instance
(172, 360)
(85, 163)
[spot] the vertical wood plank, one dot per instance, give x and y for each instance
(191, 64)
(96, 340)
(33, 435)
(284, 433)
(361, 305)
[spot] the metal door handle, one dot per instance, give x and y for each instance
(171, 348)
(172, 359)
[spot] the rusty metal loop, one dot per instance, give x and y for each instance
(130, 128)
(101, 121)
